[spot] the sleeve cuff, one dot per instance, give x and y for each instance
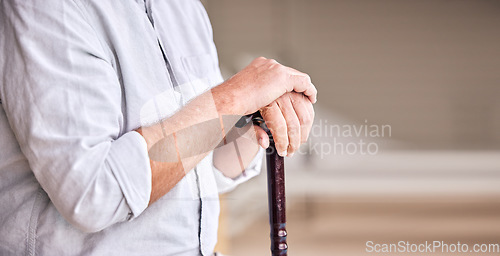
(226, 184)
(129, 160)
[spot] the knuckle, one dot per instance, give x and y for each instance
(258, 61)
(278, 69)
(281, 68)
(281, 142)
(294, 125)
(265, 110)
(305, 119)
(307, 80)
(293, 135)
(294, 144)
(275, 65)
(307, 77)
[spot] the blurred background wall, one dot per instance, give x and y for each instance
(429, 69)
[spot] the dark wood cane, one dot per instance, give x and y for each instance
(275, 189)
(276, 199)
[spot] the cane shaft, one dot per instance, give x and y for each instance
(276, 198)
(275, 188)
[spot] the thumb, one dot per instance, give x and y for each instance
(262, 137)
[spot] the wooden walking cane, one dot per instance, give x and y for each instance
(275, 189)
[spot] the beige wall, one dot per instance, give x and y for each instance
(429, 68)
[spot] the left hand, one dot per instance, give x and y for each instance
(289, 118)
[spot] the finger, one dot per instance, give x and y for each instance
(312, 114)
(262, 137)
(292, 123)
(277, 125)
(302, 107)
(301, 82)
(310, 107)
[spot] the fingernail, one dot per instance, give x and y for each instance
(283, 154)
(290, 155)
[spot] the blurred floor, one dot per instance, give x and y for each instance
(342, 226)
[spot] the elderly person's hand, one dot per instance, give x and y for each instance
(289, 119)
(259, 84)
(283, 95)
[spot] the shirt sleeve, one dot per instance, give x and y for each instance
(226, 184)
(63, 100)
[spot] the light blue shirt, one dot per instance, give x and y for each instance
(77, 77)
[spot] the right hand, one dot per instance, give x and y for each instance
(262, 82)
